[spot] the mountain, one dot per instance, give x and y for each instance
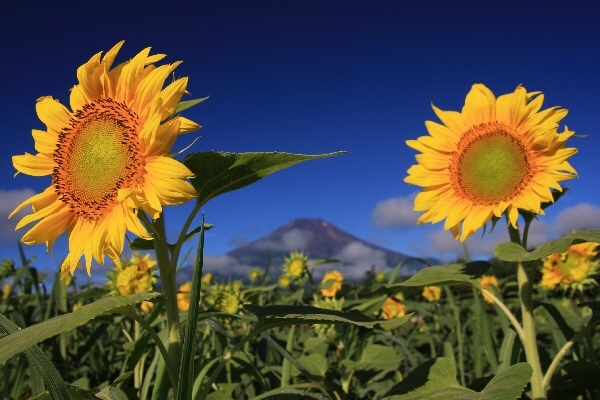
(318, 239)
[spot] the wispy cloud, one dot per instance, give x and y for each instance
(395, 212)
(9, 200)
(357, 258)
(580, 216)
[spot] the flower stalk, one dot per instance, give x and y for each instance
(525, 283)
(170, 291)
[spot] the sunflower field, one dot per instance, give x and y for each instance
(523, 325)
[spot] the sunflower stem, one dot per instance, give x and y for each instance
(167, 275)
(530, 343)
(525, 282)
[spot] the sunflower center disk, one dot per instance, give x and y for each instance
(491, 166)
(98, 154)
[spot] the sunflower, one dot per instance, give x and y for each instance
(255, 274)
(129, 281)
(496, 156)
(183, 296)
(143, 263)
(108, 157)
(487, 281)
(572, 269)
(432, 293)
(392, 309)
(331, 283)
(295, 265)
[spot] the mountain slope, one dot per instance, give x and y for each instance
(318, 239)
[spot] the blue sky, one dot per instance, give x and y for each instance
(316, 77)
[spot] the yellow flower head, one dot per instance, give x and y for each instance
(207, 278)
(328, 303)
(255, 274)
(432, 293)
(487, 281)
(497, 156)
(572, 269)
(108, 156)
(129, 281)
(381, 276)
(183, 296)
(295, 266)
(392, 309)
(5, 291)
(284, 281)
(331, 283)
(143, 263)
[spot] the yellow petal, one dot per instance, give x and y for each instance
(38, 165)
(52, 113)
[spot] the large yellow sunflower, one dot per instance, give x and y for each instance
(497, 156)
(107, 158)
(573, 269)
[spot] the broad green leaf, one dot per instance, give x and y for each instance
(436, 379)
(513, 252)
(507, 385)
(75, 393)
(439, 275)
(432, 379)
(25, 338)
(217, 173)
(375, 357)
(184, 105)
(52, 379)
(316, 364)
(272, 316)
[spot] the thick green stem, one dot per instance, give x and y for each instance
(530, 343)
(167, 276)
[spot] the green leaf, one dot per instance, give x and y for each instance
(507, 385)
(375, 357)
(436, 379)
(217, 173)
(451, 274)
(184, 105)
(186, 369)
(272, 316)
(513, 252)
(25, 338)
(75, 393)
(316, 365)
(432, 379)
(52, 379)
(574, 379)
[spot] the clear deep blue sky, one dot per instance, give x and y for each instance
(316, 77)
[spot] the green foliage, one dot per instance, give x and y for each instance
(25, 338)
(217, 173)
(513, 252)
(437, 379)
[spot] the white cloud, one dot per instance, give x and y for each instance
(295, 239)
(224, 265)
(443, 245)
(580, 216)
(9, 200)
(357, 259)
(395, 212)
